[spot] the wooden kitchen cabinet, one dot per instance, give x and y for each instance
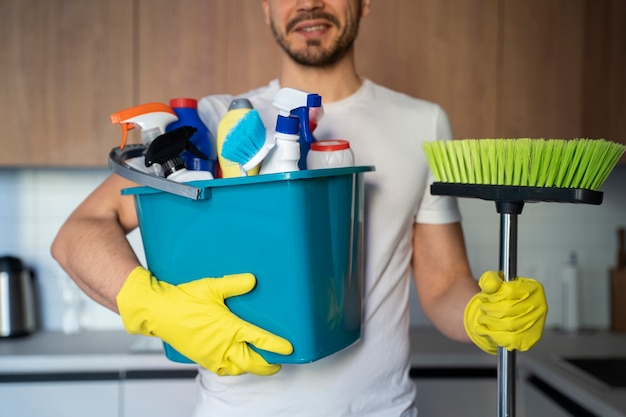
(192, 48)
(226, 47)
(66, 65)
(442, 51)
(564, 69)
(605, 71)
(542, 69)
(536, 68)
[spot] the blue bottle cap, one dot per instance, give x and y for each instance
(288, 125)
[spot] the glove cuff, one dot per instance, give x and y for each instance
(470, 320)
(131, 300)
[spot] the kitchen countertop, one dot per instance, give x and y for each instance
(50, 352)
(546, 361)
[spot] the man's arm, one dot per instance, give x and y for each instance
(442, 276)
(91, 245)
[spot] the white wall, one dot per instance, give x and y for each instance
(34, 205)
(35, 202)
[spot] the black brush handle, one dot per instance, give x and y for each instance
(511, 193)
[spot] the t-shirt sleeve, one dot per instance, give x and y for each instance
(435, 209)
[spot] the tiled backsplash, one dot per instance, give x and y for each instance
(37, 201)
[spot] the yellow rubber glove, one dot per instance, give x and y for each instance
(507, 314)
(193, 318)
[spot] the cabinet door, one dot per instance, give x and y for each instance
(170, 395)
(540, 399)
(444, 51)
(191, 48)
(467, 392)
(60, 399)
(66, 66)
(456, 397)
(542, 68)
(605, 71)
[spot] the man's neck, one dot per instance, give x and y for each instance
(332, 83)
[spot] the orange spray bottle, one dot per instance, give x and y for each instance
(152, 119)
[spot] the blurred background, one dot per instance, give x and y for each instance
(500, 68)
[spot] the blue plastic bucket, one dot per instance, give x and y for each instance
(299, 233)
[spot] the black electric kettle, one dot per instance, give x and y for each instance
(18, 312)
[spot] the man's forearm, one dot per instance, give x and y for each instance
(96, 255)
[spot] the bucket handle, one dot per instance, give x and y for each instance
(117, 164)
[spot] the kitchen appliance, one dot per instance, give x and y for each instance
(18, 310)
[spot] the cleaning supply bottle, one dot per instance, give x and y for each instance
(236, 110)
(166, 150)
(570, 295)
(187, 111)
(152, 119)
(331, 153)
(307, 107)
(286, 153)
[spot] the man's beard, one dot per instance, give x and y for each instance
(313, 55)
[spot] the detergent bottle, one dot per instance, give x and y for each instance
(166, 151)
(330, 153)
(236, 110)
(570, 295)
(152, 119)
(187, 111)
(286, 153)
(307, 107)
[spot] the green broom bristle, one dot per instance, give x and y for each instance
(576, 163)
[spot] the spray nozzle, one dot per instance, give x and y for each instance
(288, 99)
(167, 148)
(298, 103)
(304, 106)
(150, 118)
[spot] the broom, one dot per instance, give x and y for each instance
(512, 172)
(577, 163)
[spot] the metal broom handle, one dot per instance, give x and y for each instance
(508, 266)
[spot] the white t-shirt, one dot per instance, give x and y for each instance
(385, 129)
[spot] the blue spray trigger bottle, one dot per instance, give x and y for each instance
(187, 111)
(298, 103)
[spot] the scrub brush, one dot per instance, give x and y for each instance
(577, 163)
(248, 142)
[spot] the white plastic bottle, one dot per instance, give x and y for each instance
(332, 153)
(570, 295)
(185, 175)
(286, 154)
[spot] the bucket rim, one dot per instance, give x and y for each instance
(254, 179)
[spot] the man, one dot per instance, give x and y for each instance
(409, 232)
